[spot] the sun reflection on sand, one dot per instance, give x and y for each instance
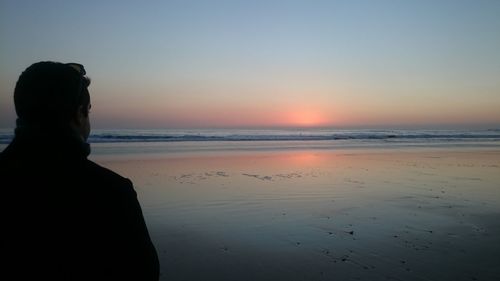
(321, 214)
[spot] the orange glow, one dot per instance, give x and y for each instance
(306, 118)
(305, 159)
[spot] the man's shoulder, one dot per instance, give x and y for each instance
(5, 153)
(106, 176)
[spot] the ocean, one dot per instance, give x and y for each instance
(334, 136)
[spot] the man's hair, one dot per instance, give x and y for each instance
(50, 92)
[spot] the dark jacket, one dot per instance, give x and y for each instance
(63, 217)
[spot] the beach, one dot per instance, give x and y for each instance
(274, 210)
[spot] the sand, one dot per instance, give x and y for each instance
(304, 214)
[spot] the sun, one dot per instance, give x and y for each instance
(306, 118)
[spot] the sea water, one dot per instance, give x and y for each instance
(248, 139)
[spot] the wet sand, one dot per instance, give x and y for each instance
(303, 214)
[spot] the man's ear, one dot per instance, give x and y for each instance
(80, 115)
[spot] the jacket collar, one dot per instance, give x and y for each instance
(59, 141)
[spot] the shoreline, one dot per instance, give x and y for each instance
(246, 147)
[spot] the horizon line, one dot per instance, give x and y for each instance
(359, 127)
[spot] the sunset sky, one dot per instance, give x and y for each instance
(199, 64)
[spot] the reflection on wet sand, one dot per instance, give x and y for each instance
(322, 215)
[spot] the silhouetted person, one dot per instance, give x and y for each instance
(64, 217)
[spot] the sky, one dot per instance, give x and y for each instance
(212, 64)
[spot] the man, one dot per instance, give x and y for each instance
(64, 217)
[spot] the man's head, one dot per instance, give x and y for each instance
(54, 95)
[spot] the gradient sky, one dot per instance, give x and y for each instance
(166, 64)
